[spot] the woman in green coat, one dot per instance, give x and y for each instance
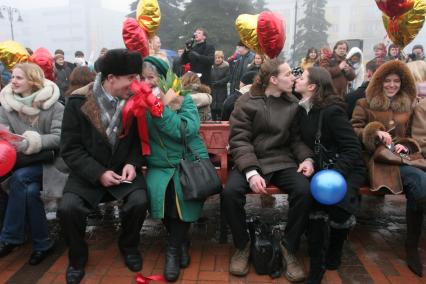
(164, 189)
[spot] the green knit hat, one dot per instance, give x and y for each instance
(160, 64)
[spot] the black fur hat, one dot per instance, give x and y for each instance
(120, 62)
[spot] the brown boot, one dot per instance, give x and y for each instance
(414, 229)
(293, 269)
(240, 265)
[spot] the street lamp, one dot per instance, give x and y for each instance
(11, 12)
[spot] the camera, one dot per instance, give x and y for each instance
(412, 57)
(190, 43)
(350, 63)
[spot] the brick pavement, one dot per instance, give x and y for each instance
(374, 254)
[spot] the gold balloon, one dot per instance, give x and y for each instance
(408, 25)
(246, 26)
(148, 16)
(12, 53)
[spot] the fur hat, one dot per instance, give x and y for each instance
(161, 65)
(120, 62)
(248, 77)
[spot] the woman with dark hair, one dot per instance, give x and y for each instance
(383, 117)
(394, 53)
(311, 58)
(321, 106)
(80, 77)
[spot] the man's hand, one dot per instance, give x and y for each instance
(343, 65)
(258, 184)
(306, 168)
(129, 173)
(109, 178)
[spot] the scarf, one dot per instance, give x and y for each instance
(110, 115)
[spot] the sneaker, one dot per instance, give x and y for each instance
(239, 265)
(293, 269)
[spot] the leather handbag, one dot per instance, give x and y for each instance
(384, 155)
(198, 177)
(324, 158)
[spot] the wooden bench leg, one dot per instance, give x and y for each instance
(223, 230)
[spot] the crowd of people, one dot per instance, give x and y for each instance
(78, 150)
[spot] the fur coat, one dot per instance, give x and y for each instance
(378, 112)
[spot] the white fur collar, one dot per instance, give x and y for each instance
(44, 99)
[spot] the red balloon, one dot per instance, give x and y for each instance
(44, 59)
(7, 157)
(270, 33)
(134, 37)
(395, 8)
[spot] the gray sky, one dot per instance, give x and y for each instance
(120, 5)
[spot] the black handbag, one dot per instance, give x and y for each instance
(324, 158)
(198, 177)
(265, 251)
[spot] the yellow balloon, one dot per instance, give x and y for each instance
(148, 16)
(246, 26)
(12, 53)
(408, 25)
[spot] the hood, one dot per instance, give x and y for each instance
(403, 100)
(44, 99)
(353, 51)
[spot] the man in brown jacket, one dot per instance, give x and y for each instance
(266, 148)
(339, 69)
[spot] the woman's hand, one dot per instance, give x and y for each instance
(306, 168)
(384, 137)
(401, 148)
(129, 173)
(168, 97)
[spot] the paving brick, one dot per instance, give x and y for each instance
(117, 280)
(191, 272)
(213, 276)
(5, 275)
(47, 278)
(207, 261)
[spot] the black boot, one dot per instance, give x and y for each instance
(414, 229)
(185, 258)
(318, 237)
(334, 253)
(172, 267)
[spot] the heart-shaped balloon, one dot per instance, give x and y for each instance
(271, 33)
(7, 157)
(395, 8)
(148, 16)
(407, 26)
(44, 59)
(246, 26)
(12, 53)
(134, 37)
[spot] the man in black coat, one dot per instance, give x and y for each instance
(199, 55)
(240, 66)
(103, 164)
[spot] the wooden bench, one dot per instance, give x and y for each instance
(215, 135)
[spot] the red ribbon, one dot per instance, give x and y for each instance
(140, 279)
(135, 107)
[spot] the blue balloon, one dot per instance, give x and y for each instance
(328, 187)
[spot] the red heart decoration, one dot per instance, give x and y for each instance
(271, 33)
(7, 157)
(395, 8)
(134, 37)
(44, 59)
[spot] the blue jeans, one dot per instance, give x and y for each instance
(25, 205)
(414, 182)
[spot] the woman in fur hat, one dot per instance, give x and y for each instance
(200, 94)
(30, 107)
(382, 118)
(165, 193)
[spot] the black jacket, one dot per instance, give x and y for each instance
(87, 152)
(219, 81)
(353, 97)
(337, 135)
(201, 58)
(62, 75)
(239, 67)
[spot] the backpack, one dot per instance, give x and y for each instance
(265, 250)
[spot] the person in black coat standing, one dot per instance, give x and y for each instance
(104, 165)
(199, 55)
(220, 78)
(329, 224)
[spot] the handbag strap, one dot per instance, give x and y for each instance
(318, 134)
(186, 148)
